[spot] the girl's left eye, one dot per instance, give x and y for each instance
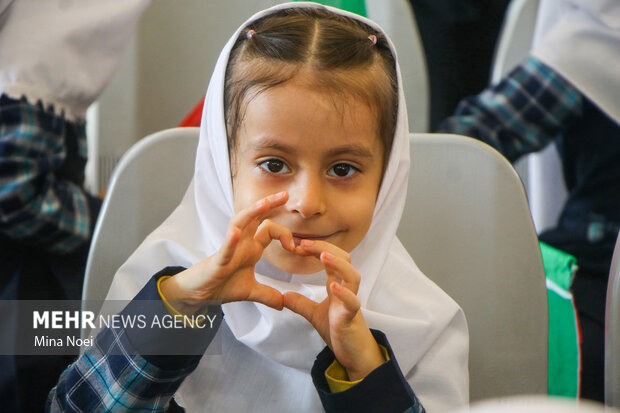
(274, 166)
(342, 170)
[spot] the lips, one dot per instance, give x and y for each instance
(297, 237)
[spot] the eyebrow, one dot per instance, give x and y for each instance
(269, 143)
(351, 149)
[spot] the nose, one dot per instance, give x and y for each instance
(307, 196)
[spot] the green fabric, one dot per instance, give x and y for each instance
(354, 6)
(563, 366)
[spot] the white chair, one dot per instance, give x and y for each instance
(513, 45)
(468, 227)
(147, 184)
(542, 171)
(535, 404)
(612, 332)
(515, 38)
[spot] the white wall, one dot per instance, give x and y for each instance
(163, 75)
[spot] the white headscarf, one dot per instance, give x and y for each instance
(580, 39)
(267, 354)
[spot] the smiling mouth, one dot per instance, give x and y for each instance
(297, 238)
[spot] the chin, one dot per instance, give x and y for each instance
(292, 263)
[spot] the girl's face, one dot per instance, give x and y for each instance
(325, 152)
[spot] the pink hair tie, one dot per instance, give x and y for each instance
(373, 39)
(250, 33)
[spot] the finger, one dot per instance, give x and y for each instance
(230, 244)
(277, 200)
(309, 247)
(299, 304)
(266, 295)
(341, 269)
(347, 298)
(259, 209)
(269, 230)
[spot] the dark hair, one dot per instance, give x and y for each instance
(335, 50)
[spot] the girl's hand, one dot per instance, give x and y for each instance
(228, 275)
(338, 318)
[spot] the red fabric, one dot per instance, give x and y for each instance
(193, 118)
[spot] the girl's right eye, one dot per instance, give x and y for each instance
(274, 166)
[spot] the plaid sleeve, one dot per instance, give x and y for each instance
(520, 114)
(38, 205)
(111, 377)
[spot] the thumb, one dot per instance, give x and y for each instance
(266, 295)
(300, 304)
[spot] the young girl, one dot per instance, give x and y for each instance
(299, 186)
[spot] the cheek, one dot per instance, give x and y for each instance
(240, 194)
(364, 214)
(250, 186)
(357, 212)
(245, 190)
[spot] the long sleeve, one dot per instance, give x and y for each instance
(119, 372)
(48, 78)
(385, 389)
(112, 377)
(42, 203)
(522, 113)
